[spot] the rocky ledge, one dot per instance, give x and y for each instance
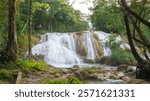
(88, 75)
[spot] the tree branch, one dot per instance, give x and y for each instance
(124, 4)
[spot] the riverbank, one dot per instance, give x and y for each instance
(76, 75)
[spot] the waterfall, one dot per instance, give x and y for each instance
(74, 48)
(57, 49)
(89, 45)
(104, 38)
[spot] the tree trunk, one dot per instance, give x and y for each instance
(30, 26)
(134, 52)
(11, 47)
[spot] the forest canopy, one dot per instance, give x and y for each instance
(48, 15)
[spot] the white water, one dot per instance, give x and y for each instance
(57, 49)
(60, 49)
(104, 38)
(89, 45)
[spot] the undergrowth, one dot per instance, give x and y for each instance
(118, 56)
(7, 76)
(72, 80)
(28, 64)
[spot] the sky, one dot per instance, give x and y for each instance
(82, 5)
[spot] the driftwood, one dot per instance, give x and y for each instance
(19, 78)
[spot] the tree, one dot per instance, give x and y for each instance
(3, 23)
(133, 20)
(30, 26)
(11, 47)
(57, 15)
(107, 16)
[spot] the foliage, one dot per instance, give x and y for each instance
(53, 15)
(23, 43)
(3, 23)
(27, 65)
(48, 15)
(5, 57)
(118, 56)
(31, 64)
(57, 16)
(107, 16)
(72, 80)
(6, 74)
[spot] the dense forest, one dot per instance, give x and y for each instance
(22, 22)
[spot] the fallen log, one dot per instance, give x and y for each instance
(19, 78)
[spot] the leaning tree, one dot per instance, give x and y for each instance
(136, 36)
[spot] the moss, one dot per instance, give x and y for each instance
(32, 64)
(7, 76)
(26, 65)
(93, 70)
(72, 80)
(87, 73)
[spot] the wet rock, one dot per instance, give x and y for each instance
(89, 61)
(113, 81)
(131, 69)
(100, 77)
(113, 76)
(82, 49)
(120, 75)
(64, 71)
(122, 67)
(126, 79)
(76, 66)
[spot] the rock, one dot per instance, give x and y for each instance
(137, 81)
(77, 74)
(81, 44)
(122, 67)
(98, 76)
(120, 74)
(89, 61)
(76, 66)
(65, 71)
(126, 79)
(112, 76)
(131, 69)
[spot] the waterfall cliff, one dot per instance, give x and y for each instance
(72, 48)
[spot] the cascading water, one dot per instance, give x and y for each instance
(89, 45)
(61, 49)
(104, 38)
(58, 49)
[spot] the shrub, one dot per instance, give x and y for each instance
(118, 56)
(6, 74)
(27, 65)
(31, 64)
